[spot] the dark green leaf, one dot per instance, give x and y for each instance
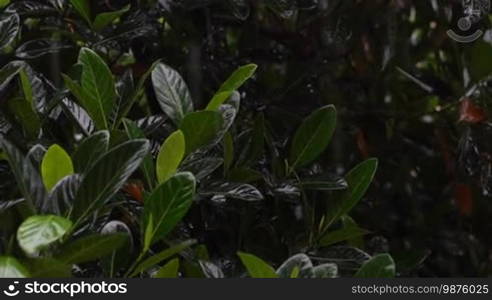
(312, 138)
(83, 8)
(48, 268)
(104, 19)
(9, 28)
(341, 235)
(37, 48)
(172, 93)
(90, 248)
(200, 128)
(163, 255)
(108, 175)
(167, 205)
(90, 150)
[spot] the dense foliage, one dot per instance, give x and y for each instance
(222, 138)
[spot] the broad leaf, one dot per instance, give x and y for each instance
(83, 8)
(167, 205)
(48, 268)
(300, 262)
(239, 191)
(172, 92)
(380, 266)
(108, 175)
(341, 235)
(200, 128)
(38, 232)
(27, 177)
(104, 19)
(12, 268)
(170, 156)
(91, 247)
(257, 268)
(9, 71)
(313, 136)
(96, 92)
(39, 47)
(328, 270)
(90, 150)
(63, 194)
(56, 164)
(9, 28)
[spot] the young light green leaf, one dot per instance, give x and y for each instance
(169, 270)
(12, 268)
(38, 232)
(172, 92)
(380, 266)
(104, 19)
(200, 128)
(56, 164)
(168, 204)
(234, 82)
(313, 136)
(83, 8)
(91, 247)
(170, 156)
(257, 268)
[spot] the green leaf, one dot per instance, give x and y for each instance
(168, 204)
(329, 270)
(380, 266)
(169, 270)
(83, 8)
(238, 78)
(313, 136)
(9, 28)
(358, 180)
(161, 256)
(48, 268)
(56, 164)
(147, 167)
(218, 100)
(25, 115)
(12, 268)
(38, 232)
(299, 264)
(4, 3)
(172, 92)
(97, 92)
(90, 248)
(200, 128)
(170, 156)
(90, 150)
(107, 176)
(104, 19)
(342, 235)
(26, 175)
(257, 268)
(9, 71)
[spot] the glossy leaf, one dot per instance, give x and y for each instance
(39, 47)
(90, 150)
(167, 205)
(56, 164)
(301, 262)
(9, 28)
(172, 93)
(256, 267)
(12, 268)
(313, 136)
(340, 235)
(380, 266)
(38, 232)
(108, 175)
(200, 128)
(170, 156)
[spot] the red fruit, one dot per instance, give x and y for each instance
(471, 113)
(464, 198)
